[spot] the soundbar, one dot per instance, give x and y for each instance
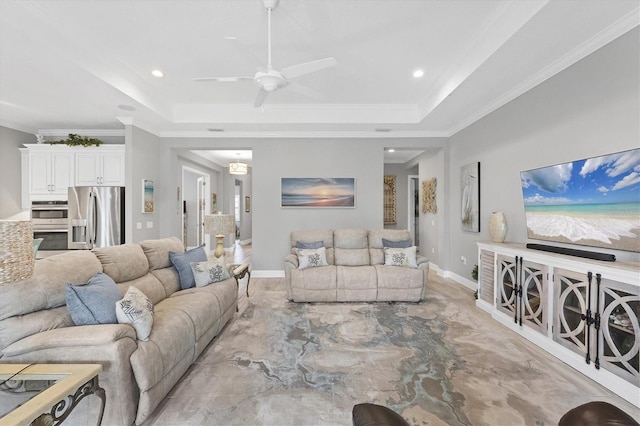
(574, 252)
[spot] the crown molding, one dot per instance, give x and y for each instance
(604, 37)
(18, 127)
(84, 132)
(317, 134)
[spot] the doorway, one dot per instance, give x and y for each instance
(195, 187)
(413, 199)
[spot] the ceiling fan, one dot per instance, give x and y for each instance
(269, 79)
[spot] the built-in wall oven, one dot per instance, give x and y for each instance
(50, 222)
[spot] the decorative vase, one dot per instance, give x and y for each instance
(497, 227)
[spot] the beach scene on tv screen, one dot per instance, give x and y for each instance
(593, 202)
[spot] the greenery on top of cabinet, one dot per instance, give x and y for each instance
(77, 140)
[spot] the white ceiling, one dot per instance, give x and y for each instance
(71, 64)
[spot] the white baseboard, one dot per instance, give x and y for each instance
(472, 285)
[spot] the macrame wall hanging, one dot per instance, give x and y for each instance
(429, 196)
(389, 203)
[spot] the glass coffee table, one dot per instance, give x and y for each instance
(46, 393)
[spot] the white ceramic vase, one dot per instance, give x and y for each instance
(497, 227)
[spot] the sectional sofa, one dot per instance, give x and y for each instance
(36, 326)
(353, 265)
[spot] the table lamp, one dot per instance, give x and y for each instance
(16, 250)
(219, 225)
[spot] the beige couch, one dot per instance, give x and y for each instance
(35, 325)
(356, 271)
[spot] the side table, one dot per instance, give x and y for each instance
(73, 382)
(239, 272)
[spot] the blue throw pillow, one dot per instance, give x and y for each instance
(313, 245)
(93, 302)
(182, 262)
(397, 244)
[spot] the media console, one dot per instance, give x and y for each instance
(583, 311)
(605, 257)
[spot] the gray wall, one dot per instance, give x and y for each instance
(590, 109)
(11, 170)
(142, 162)
(433, 241)
(276, 158)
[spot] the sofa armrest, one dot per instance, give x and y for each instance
(421, 259)
(291, 260)
(70, 337)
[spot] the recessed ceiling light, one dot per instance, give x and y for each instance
(127, 107)
(391, 150)
(383, 129)
(157, 73)
(418, 73)
(230, 38)
(215, 129)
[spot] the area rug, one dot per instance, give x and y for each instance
(440, 362)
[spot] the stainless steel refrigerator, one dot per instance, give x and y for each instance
(96, 216)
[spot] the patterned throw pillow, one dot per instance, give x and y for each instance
(400, 256)
(136, 309)
(211, 271)
(310, 258)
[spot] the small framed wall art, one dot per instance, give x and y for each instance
(148, 196)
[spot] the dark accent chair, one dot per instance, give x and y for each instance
(597, 413)
(376, 415)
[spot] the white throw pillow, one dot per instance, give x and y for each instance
(310, 258)
(400, 256)
(136, 309)
(211, 271)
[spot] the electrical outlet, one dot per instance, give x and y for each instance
(149, 225)
(138, 225)
(463, 260)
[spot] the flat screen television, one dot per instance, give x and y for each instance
(592, 202)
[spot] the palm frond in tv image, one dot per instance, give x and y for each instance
(593, 202)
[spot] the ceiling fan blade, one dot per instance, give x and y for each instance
(308, 67)
(304, 90)
(262, 96)
(222, 79)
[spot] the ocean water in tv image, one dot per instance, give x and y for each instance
(593, 202)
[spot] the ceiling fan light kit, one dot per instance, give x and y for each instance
(269, 80)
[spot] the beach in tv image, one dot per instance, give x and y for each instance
(593, 202)
(318, 192)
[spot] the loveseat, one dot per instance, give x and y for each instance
(357, 267)
(36, 326)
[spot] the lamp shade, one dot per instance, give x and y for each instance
(238, 168)
(219, 224)
(16, 250)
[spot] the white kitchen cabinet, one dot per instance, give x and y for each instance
(48, 174)
(103, 166)
(585, 312)
(49, 170)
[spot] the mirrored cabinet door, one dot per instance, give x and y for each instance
(571, 296)
(619, 325)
